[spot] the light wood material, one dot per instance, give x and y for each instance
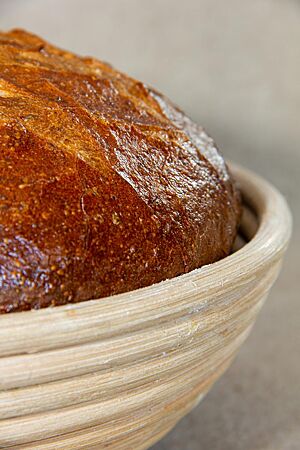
(120, 372)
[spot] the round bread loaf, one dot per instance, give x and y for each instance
(105, 185)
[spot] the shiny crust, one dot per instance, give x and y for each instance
(105, 186)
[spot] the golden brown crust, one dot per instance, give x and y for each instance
(105, 186)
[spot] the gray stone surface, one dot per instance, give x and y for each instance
(234, 66)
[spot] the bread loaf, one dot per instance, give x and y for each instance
(105, 185)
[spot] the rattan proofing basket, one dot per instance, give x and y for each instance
(119, 372)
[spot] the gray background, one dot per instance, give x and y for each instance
(234, 66)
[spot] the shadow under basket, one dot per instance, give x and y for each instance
(119, 372)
